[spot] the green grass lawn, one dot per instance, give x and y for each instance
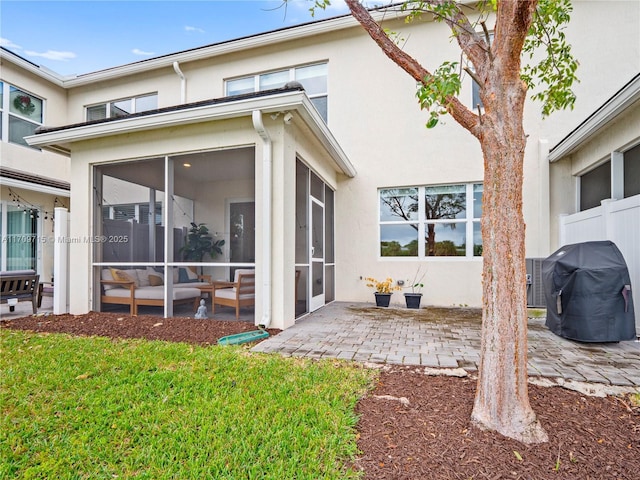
(90, 408)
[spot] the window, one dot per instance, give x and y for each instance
(431, 221)
(19, 231)
(120, 108)
(21, 113)
(632, 172)
(476, 102)
(595, 186)
(312, 77)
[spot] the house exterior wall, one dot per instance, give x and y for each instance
(31, 160)
(373, 113)
(34, 161)
(621, 134)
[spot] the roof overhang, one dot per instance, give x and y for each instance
(61, 139)
(623, 99)
(296, 32)
(35, 183)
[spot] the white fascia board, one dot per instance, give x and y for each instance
(61, 140)
(41, 72)
(590, 127)
(313, 119)
(34, 187)
(224, 48)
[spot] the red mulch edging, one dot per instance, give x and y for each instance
(431, 438)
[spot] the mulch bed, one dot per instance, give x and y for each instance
(431, 436)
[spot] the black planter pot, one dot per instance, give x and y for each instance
(382, 299)
(413, 299)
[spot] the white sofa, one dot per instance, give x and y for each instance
(145, 286)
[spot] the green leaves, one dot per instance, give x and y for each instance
(434, 91)
(555, 72)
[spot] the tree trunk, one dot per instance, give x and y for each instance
(502, 401)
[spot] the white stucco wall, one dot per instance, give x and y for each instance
(374, 115)
(31, 160)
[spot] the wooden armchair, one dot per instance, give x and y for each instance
(240, 293)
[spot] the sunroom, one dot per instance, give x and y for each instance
(253, 175)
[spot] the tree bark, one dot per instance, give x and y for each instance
(502, 401)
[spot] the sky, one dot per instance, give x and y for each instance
(82, 36)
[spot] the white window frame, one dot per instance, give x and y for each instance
(5, 112)
(132, 100)
(292, 77)
(470, 220)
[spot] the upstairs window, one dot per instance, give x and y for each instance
(431, 221)
(123, 107)
(312, 77)
(21, 113)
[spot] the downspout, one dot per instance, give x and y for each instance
(266, 216)
(183, 82)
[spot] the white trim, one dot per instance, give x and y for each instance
(286, 101)
(34, 187)
(592, 125)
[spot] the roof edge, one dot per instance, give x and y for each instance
(614, 106)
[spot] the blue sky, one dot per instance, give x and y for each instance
(74, 37)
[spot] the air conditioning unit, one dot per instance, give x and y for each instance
(535, 288)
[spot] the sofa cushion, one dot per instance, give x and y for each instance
(143, 276)
(237, 273)
(124, 276)
(155, 293)
(230, 293)
(156, 279)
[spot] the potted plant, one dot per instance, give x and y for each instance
(414, 298)
(199, 243)
(383, 290)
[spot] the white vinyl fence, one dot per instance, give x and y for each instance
(615, 220)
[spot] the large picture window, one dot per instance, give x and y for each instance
(312, 77)
(21, 113)
(431, 221)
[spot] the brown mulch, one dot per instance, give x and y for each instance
(431, 437)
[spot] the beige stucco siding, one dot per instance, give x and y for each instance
(31, 160)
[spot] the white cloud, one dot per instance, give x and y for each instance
(137, 51)
(5, 42)
(52, 55)
(189, 28)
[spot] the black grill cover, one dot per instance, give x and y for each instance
(587, 289)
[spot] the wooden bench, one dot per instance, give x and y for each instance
(19, 285)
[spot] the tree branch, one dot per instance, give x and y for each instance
(458, 111)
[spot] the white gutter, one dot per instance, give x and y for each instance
(183, 82)
(266, 216)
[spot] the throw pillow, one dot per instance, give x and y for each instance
(123, 276)
(143, 277)
(184, 277)
(193, 276)
(156, 279)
